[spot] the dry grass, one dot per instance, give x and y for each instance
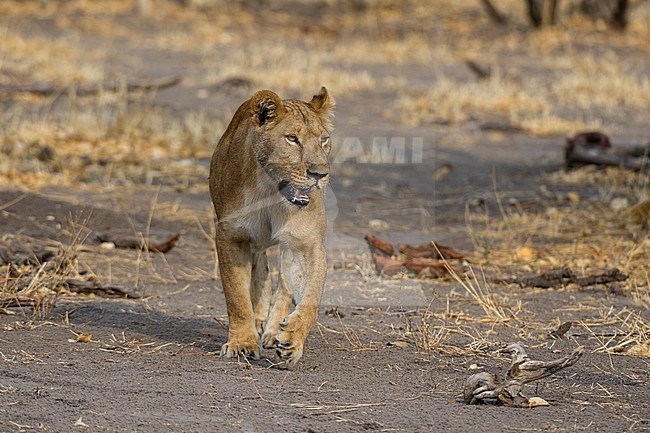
(587, 236)
(573, 77)
(573, 95)
(496, 308)
(270, 65)
(43, 59)
(623, 332)
(108, 139)
(36, 284)
(441, 333)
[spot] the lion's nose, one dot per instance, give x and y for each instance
(316, 173)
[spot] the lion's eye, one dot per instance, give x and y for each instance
(324, 140)
(292, 139)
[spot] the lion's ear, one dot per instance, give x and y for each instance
(265, 107)
(323, 103)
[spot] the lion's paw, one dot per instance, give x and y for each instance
(269, 338)
(248, 347)
(290, 339)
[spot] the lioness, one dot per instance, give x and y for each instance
(267, 181)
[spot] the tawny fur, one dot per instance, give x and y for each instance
(269, 143)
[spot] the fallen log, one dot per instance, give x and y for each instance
(92, 286)
(559, 278)
(44, 89)
(135, 242)
(487, 388)
(594, 148)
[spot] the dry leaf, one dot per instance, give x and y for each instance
(639, 349)
(573, 197)
(537, 401)
(82, 338)
(525, 254)
(442, 172)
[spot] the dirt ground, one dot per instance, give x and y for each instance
(388, 353)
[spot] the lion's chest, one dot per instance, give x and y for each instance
(262, 222)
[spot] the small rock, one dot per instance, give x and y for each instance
(400, 344)
(202, 94)
(378, 225)
(619, 203)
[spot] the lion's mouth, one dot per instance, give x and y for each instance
(297, 196)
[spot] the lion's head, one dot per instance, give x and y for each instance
(292, 142)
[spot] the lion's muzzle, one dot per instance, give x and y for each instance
(293, 194)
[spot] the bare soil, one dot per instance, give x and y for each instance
(370, 364)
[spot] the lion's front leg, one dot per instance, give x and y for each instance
(260, 290)
(235, 265)
(306, 275)
(282, 300)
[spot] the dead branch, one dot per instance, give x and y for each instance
(135, 242)
(428, 267)
(594, 148)
(426, 259)
(386, 265)
(429, 251)
(488, 388)
(44, 89)
(562, 277)
(376, 245)
(92, 286)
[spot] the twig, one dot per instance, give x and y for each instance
(318, 406)
(13, 202)
(123, 241)
(481, 72)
